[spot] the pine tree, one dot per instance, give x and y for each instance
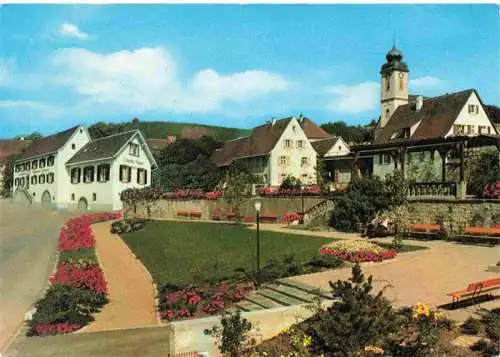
(357, 320)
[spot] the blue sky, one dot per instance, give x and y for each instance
(231, 65)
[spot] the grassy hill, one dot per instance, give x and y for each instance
(162, 129)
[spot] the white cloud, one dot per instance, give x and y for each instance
(148, 79)
(353, 99)
(70, 30)
(44, 109)
(426, 82)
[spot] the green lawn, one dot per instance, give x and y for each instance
(190, 252)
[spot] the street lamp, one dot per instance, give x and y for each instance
(258, 205)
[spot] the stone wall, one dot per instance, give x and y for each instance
(270, 205)
(454, 214)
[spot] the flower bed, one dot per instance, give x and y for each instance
(135, 195)
(77, 288)
(313, 190)
(357, 251)
(290, 217)
(491, 191)
(199, 301)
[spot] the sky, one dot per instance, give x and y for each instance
(231, 65)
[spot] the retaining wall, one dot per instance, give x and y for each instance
(270, 205)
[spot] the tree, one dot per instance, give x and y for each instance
(8, 177)
(358, 319)
(485, 170)
(291, 183)
(351, 133)
(33, 136)
(236, 186)
(184, 151)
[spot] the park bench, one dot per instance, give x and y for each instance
(475, 290)
(481, 234)
(270, 217)
(424, 229)
(196, 214)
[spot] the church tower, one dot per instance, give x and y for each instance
(393, 85)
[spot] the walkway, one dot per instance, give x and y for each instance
(28, 241)
(131, 292)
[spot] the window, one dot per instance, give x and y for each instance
(304, 177)
(134, 149)
(401, 83)
(282, 177)
(125, 173)
(293, 127)
(50, 161)
(34, 194)
(283, 160)
(18, 168)
(33, 179)
(287, 143)
(340, 148)
(88, 174)
(387, 82)
(28, 165)
(470, 129)
(384, 159)
(477, 109)
(300, 144)
(481, 129)
(16, 182)
(459, 129)
(42, 163)
(34, 164)
(73, 146)
(406, 132)
(41, 179)
(142, 176)
(50, 177)
(22, 182)
(94, 196)
(387, 113)
(75, 175)
(103, 173)
(303, 161)
(72, 197)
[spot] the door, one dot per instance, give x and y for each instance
(82, 205)
(46, 201)
(21, 196)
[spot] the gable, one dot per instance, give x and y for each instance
(293, 132)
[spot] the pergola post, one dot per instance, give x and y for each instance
(462, 187)
(443, 152)
(402, 155)
(395, 157)
(355, 171)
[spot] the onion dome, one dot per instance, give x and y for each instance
(394, 62)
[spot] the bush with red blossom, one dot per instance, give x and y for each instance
(78, 287)
(290, 217)
(178, 304)
(313, 190)
(491, 191)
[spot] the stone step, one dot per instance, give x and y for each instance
(246, 305)
(304, 287)
(280, 298)
(263, 301)
(292, 292)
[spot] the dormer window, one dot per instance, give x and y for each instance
(134, 149)
(73, 146)
(406, 133)
(42, 163)
(34, 164)
(50, 161)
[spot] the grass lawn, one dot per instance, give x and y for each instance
(191, 252)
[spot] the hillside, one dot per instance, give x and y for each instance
(162, 130)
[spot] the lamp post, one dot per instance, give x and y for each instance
(258, 206)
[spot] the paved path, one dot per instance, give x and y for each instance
(28, 242)
(131, 292)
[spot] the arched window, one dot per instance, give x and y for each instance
(41, 179)
(387, 82)
(50, 177)
(34, 179)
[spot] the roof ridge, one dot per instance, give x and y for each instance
(116, 134)
(448, 94)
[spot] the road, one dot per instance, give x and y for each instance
(28, 241)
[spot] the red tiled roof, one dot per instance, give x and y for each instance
(48, 144)
(12, 147)
(323, 146)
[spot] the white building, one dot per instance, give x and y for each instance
(70, 170)
(276, 150)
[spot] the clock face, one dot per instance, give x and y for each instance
(401, 75)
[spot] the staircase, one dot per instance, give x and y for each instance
(282, 293)
(318, 210)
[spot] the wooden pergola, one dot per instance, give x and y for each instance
(399, 148)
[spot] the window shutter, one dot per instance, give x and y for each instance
(145, 177)
(99, 169)
(139, 175)
(107, 171)
(121, 173)
(129, 174)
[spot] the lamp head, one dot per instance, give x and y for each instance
(257, 205)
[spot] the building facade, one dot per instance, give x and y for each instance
(277, 150)
(70, 170)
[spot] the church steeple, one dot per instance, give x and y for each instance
(393, 84)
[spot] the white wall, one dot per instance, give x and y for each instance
(37, 190)
(466, 118)
(294, 154)
(63, 181)
(124, 158)
(339, 149)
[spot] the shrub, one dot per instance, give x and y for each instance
(357, 251)
(291, 183)
(290, 217)
(325, 261)
(232, 336)
(491, 321)
(472, 326)
(357, 320)
(127, 225)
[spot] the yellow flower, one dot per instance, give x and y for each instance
(374, 349)
(307, 341)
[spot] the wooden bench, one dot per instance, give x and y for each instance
(484, 234)
(196, 214)
(475, 290)
(271, 217)
(424, 229)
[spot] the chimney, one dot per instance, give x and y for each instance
(301, 118)
(21, 138)
(419, 103)
(273, 121)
